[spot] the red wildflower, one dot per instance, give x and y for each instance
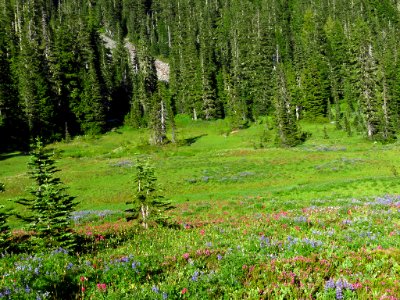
(101, 287)
(184, 291)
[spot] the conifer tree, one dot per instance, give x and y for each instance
(148, 203)
(4, 228)
(49, 206)
(288, 133)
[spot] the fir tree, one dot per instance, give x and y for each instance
(4, 228)
(148, 204)
(50, 206)
(288, 133)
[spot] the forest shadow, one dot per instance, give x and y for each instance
(191, 140)
(4, 156)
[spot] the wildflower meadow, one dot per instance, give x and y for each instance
(245, 224)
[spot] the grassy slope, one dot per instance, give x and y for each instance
(213, 164)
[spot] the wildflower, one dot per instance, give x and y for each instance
(101, 287)
(357, 285)
(195, 276)
(27, 289)
(135, 264)
(202, 232)
(124, 259)
(330, 284)
(60, 250)
(264, 241)
(155, 289)
(83, 278)
(83, 289)
(347, 222)
(186, 256)
(164, 295)
(339, 293)
(69, 266)
(219, 256)
(184, 291)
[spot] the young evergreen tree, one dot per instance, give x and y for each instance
(4, 228)
(148, 204)
(50, 206)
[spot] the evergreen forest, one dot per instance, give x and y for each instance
(316, 60)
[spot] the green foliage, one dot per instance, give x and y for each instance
(50, 206)
(288, 131)
(148, 204)
(4, 228)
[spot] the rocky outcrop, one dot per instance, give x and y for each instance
(162, 68)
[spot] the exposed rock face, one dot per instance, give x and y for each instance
(161, 67)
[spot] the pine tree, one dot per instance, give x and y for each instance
(4, 228)
(288, 133)
(148, 204)
(50, 206)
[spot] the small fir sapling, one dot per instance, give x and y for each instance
(148, 204)
(50, 207)
(4, 228)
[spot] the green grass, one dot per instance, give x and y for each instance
(210, 162)
(254, 221)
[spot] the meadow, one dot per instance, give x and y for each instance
(252, 221)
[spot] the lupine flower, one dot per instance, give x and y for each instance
(347, 222)
(339, 286)
(195, 276)
(264, 241)
(60, 250)
(155, 289)
(164, 295)
(300, 219)
(135, 264)
(124, 259)
(339, 293)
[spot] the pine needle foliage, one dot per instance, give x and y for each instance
(4, 228)
(49, 206)
(148, 203)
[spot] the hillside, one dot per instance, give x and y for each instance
(319, 61)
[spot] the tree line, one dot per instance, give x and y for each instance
(318, 60)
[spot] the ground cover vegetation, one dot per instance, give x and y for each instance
(262, 164)
(320, 220)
